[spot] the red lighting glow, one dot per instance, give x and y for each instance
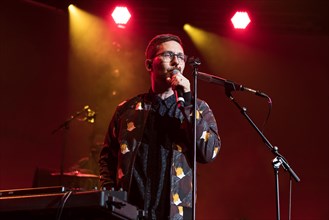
(240, 20)
(121, 15)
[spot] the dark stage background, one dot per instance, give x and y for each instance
(43, 82)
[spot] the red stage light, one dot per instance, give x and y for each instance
(240, 20)
(121, 15)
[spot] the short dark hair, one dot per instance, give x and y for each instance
(152, 47)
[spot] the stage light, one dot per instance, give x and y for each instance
(197, 35)
(121, 16)
(71, 7)
(187, 27)
(240, 20)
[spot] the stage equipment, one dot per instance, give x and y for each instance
(230, 87)
(87, 115)
(121, 16)
(50, 202)
(240, 20)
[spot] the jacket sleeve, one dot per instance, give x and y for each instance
(109, 156)
(208, 141)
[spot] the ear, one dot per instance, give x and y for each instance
(148, 64)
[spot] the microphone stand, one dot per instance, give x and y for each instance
(278, 160)
(65, 126)
(195, 63)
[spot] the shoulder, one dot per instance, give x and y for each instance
(202, 104)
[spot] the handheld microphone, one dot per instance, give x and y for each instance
(179, 91)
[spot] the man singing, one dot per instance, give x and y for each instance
(148, 149)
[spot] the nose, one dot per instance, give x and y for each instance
(175, 59)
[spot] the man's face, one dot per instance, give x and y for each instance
(162, 65)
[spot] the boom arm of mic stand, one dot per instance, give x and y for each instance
(279, 159)
(228, 84)
(273, 149)
(66, 123)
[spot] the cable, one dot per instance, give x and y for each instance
(62, 204)
(269, 111)
(290, 192)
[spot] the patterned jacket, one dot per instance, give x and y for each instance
(124, 138)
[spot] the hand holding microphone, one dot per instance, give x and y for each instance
(180, 85)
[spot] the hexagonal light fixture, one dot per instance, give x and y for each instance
(121, 15)
(240, 20)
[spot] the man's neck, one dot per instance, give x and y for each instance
(163, 93)
(166, 94)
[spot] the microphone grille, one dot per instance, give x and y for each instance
(175, 71)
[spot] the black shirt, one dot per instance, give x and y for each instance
(151, 174)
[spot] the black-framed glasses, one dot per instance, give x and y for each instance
(168, 56)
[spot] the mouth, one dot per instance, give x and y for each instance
(171, 71)
(169, 74)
